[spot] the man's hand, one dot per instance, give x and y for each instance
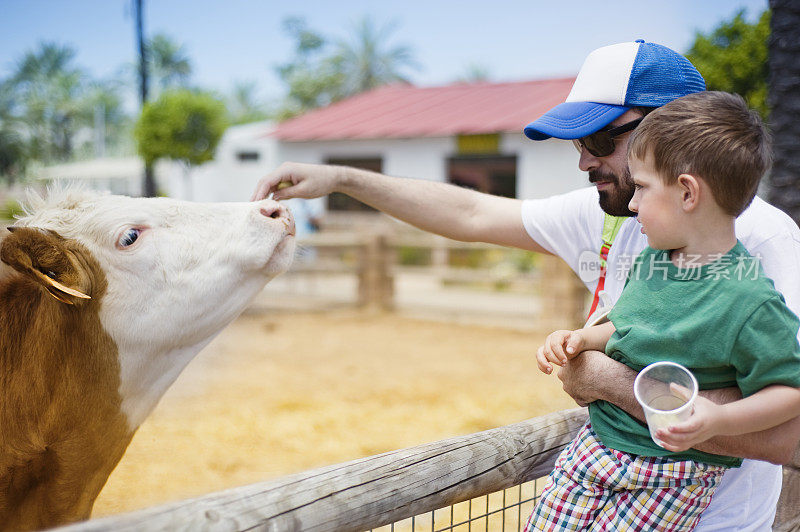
(593, 376)
(305, 181)
(558, 347)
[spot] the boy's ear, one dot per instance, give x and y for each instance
(690, 188)
(41, 255)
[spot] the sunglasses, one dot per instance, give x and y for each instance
(601, 143)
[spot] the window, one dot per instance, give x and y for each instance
(247, 156)
(343, 202)
(491, 174)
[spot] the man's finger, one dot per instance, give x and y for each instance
(286, 189)
(262, 190)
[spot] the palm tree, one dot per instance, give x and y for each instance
(169, 63)
(474, 73)
(784, 98)
(368, 61)
(243, 104)
(12, 155)
(102, 106)
(148, 181)
(47, 89)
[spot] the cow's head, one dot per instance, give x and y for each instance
(171, 274)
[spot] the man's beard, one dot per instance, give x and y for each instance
(615, 199)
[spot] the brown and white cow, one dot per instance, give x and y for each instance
(108, 300)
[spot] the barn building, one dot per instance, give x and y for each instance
(467, 134)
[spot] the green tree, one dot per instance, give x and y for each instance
(169, 62)
(102, 107)
(784, 87)
(13, 152)
(368, 60)
(181, 124)
(47, 89)
(49, 104)
(243, 104)
(733, 58)
(474, 73)
(13, 156)
(323, 71)
(312, 76)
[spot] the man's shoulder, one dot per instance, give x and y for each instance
(584, 198)
(762, 221)
(575, 215)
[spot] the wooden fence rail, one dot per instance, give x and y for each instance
(387, 488)
(373, 491)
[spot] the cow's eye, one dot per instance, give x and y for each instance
(129, 237)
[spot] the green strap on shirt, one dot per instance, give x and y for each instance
(611, 227)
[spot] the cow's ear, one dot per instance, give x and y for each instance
(41, 255)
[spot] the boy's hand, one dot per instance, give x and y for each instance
(702, 425)
(558, 347)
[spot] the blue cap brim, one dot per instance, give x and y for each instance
(573, 120)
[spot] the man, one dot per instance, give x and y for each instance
(616, 86)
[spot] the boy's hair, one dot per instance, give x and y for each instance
(711, 135)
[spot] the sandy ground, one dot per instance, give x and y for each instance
(281, 393)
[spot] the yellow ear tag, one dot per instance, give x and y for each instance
(284, 184)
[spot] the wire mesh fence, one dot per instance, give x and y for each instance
(501, 511)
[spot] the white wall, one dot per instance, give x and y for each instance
(417, 158)
(543, 168)
(226, 178)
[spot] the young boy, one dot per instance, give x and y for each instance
(696, 163)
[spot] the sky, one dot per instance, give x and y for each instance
(230, 41)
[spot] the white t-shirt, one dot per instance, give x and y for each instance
(571, 225)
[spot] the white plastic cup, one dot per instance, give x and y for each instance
(662, 405)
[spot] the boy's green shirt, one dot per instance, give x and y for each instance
(724, 320)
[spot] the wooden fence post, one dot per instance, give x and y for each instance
(375, 280)
(562, 296)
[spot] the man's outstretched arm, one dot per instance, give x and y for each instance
(593, 375)
(440, 208)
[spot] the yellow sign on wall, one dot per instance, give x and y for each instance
(479, 144)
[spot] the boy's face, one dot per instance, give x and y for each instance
(658, 206)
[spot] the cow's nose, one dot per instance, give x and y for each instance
(276, 211)
(273, 209)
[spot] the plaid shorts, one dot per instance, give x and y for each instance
(593, 487)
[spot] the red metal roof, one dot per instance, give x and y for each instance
(405, 111)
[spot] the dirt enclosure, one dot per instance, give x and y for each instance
(280, 393)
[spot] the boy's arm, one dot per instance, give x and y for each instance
(765, 409)
(594, 338)
(561, 345)
(594, 376)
